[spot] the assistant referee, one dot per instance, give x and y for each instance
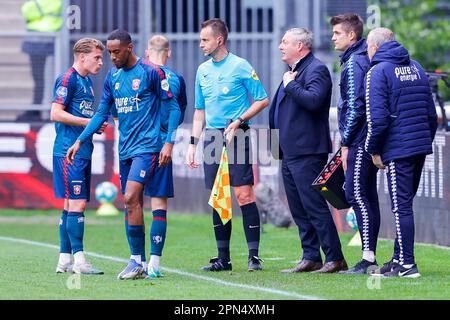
(222, 89)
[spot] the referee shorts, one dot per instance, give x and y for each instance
(239, 157)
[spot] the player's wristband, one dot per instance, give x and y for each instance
(241, 120)
(194, 140)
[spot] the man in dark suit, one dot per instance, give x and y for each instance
(300, 112)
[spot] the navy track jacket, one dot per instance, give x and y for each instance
(352, 106)
(401, 114)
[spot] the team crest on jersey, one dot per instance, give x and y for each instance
(117, 86)
(136, 84)
(254, 75)
(77, 189)
(61, 91)
(165, 85)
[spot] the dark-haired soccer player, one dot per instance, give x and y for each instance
(361, 173)
(71, 111)
(132, 91)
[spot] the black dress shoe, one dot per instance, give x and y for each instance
(333, 266)
(304, 266)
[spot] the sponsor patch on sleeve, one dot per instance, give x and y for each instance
(61, 92)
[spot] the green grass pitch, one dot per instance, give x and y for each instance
(27, 269)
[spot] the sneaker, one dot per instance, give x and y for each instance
(218, 264)
(132, 271)
(362, 267)
(85, 268)
(254, 263)
(402, 272)
(153, 273)
(387, 267)
(62, 268)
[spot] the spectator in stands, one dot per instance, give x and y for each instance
(42, 16)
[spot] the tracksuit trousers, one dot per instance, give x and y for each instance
(361, 194)
(403, 177)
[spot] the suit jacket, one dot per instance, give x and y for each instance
(303, 111)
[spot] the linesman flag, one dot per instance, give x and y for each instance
(220, 198)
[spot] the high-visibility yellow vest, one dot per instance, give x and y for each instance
(43, 15)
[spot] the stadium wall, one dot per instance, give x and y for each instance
(26, 180)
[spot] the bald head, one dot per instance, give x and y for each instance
(376, 38)
(158, 50)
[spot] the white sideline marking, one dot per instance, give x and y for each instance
(169, 270)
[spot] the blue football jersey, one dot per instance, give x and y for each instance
(76, 94)
(134, 96)
(172, 111)
(223, 88)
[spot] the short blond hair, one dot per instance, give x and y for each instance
(87, 45)
(158, 43)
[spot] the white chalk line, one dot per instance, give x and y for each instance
(176, 271)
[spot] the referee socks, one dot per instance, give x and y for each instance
(223, 235)
(250, 218)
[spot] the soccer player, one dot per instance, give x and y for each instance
(361, 173)
(222, 89)
(171, 116)
(132, 91)
(72, 109)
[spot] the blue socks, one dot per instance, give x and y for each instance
(136, 234)
(75, 230)
(158, 232)
(127, 233)
(64, 239)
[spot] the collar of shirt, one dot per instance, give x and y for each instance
(295, 65)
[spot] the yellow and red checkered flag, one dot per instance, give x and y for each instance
(220, 198)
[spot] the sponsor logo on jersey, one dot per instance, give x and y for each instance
(136, 84)
(142, 173)
(165, 85)
(77, 189)
(62, 92)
